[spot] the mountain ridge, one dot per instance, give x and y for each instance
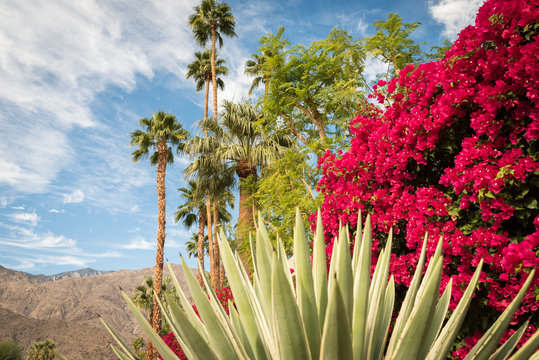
(72, 305)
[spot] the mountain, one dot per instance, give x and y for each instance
(7, 274)
(66, 310)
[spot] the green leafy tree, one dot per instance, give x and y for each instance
(392, 43)
(294, 177)
(44, 350)
(210, 21)
(159, 132)
(316, 89)
(9, 350)
(438, 52)
(262, 66)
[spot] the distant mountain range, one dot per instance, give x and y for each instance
(44, 278)
(65, 308)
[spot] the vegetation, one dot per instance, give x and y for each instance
(311, 315)
(44, 350)
(447, 147)
(159, 131)
(9, 350)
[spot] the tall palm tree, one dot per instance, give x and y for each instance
(215, 178)
(200, 71)
(192, 209)
(244, 146)
(160, 131)
(210, 21)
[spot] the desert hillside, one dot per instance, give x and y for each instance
(67, 310)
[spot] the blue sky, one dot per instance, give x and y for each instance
(75, 77)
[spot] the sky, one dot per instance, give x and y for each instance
(77, 75)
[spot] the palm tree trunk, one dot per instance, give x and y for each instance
(216, 254)
(210, 237)
(213, 74)
(161, 219)
(206, 97)
(222, 276)
(200, 251)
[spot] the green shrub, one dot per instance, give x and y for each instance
(9, 350)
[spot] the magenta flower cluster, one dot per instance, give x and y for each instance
(455, 153)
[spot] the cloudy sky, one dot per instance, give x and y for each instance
(75, 77)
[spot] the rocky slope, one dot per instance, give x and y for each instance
(67, 310)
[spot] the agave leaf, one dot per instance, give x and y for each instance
(163, 349)
(129, 353)
(221, 341)
(283, 260)
(320, 275)
(384, 316)
(361, 292)
(445, 340)
(357, 243)
(305, 288)
(411, 339)
(250, 314)
(117, 351)
(186, 305)
(184, 331)
(263, 267)
(240, 330)
(344, 270)
(336, 336)
(409, 300)
(376, 296)
(529, 349)
(291, 338)
(488, 342)
(437, 320)
(507, 348)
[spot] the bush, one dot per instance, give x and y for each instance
(454, 153)
(9, 350)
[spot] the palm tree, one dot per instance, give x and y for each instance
(215, 178)
(159, 131)
(192, 209)
(200, 71)
(244, 146)
(43, 350)
(137, 344)
(209, 22)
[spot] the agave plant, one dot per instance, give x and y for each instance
(310, 315)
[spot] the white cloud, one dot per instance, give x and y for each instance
(28, 218)
(373, 67)
(68, 52)
(29, 239)
(56, 211)
(139, 243)
(17, 207)
(76, 196)
(31, 262)
(455, 15)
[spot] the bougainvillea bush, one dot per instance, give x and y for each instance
(453, 151)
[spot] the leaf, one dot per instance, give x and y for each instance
(336, 335)
(129, 353)
(505, 350)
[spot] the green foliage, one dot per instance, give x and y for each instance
(310, 315)
(392, 43)
(200, 70)
(143, 297)
(9, 350)
(137, 344)
(313, 90)
(44, 350)
(294, 178)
